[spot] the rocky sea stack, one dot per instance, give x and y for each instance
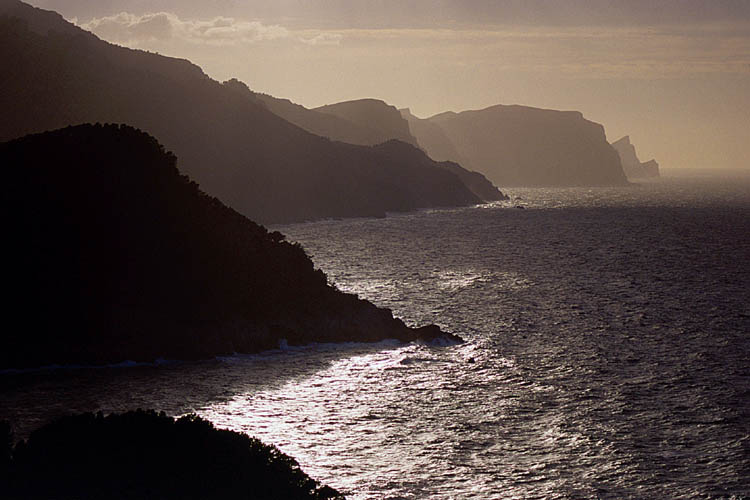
(631, 165)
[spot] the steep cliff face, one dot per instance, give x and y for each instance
(383, 120)
(626, 151)
(117, 256)
(253, 160)
(631, 165)
(523, 146)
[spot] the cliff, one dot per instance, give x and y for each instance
(383, 120)
(253, 160)
(523, 146)
(117, 256)
(631, 165)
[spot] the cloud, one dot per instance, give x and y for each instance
(641, 52)
(161, 26)
(323, 39)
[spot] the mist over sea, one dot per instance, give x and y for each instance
(607, 353)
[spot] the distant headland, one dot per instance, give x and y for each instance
(523, 146)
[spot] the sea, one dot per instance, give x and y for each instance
(606, 354)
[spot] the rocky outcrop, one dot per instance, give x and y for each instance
(631, 165)
(117, 256)
(524, 146)
(255, 161)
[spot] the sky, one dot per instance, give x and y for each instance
(672, 74)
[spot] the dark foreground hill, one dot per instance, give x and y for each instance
(253, 160)
(369, 122)
(523, 146)
(112, 255)
(139, 455)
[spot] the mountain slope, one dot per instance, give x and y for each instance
(117, 256)
(340, 129)
(523, 146)
(631, 165)
(256, 162)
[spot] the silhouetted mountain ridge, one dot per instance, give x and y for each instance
(116, 256)
(39, 21)
(381, 118)
(253, 160)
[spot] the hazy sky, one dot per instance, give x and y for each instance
(673, 74)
